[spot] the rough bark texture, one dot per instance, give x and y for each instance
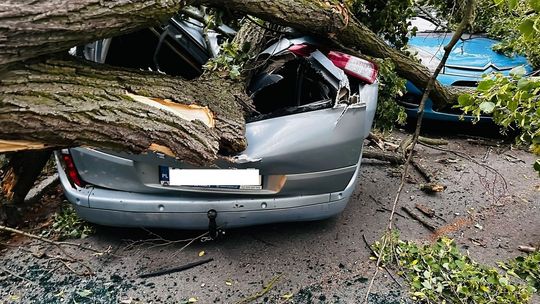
(17, 179)
(30, 28)
(68, 102)
(332, 19)
(253, 39)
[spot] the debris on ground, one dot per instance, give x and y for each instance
(431, 188)
(425, 210)
(175, 269)
(417, 217)
(311, 253)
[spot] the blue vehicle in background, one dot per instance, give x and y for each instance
(472, 57)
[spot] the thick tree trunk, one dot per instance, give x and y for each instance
(30, 28)
(68, 102)
(17, 179)
(333, 20)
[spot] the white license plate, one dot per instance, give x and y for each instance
(242, 178)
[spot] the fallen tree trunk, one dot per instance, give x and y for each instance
(69, 102)
(333, 20)
(30, 28)
(17, 179)
(44, 27)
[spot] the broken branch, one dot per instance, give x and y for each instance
(376, 255)
(425, 210)
(425, 174)
(13, 274)
(392, 158)
(31, 29)
(175, 269)
(432, 141)
(431, 188)
(45, 240)
(527, 249)
(415, 216)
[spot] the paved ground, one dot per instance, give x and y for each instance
(318, 262)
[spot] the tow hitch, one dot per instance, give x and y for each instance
(213, 231)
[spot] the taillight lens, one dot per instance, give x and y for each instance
(71, 171)
(302, 50)
(354, 66)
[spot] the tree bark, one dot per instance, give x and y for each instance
(17, 179)
(333, 20)
(64, 102)
(69, 102)
(30, 28)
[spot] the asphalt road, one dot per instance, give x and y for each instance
(316, 262)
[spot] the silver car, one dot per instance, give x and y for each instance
(314, 107)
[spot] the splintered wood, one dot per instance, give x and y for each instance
(19, 145)
(186, 112)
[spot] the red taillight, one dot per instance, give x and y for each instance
(354, 66)
(302, 50)
(71, 171)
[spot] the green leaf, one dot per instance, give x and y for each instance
(527, 27)
(427, 285)
(487, 107)
(518, 71)
(512, 4)
(465, 100)
(537, 166)
(419, 294)
(523, 83)
(485, 85)
(535, 5)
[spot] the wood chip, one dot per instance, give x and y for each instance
(432, 188)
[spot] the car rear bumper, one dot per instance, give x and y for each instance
(128, 209)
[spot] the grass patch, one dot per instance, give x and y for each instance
(440, 273)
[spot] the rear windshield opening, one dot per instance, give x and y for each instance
(293, 87)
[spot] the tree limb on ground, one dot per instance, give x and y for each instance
(393, 158)
(46, 240)
(467, 19)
